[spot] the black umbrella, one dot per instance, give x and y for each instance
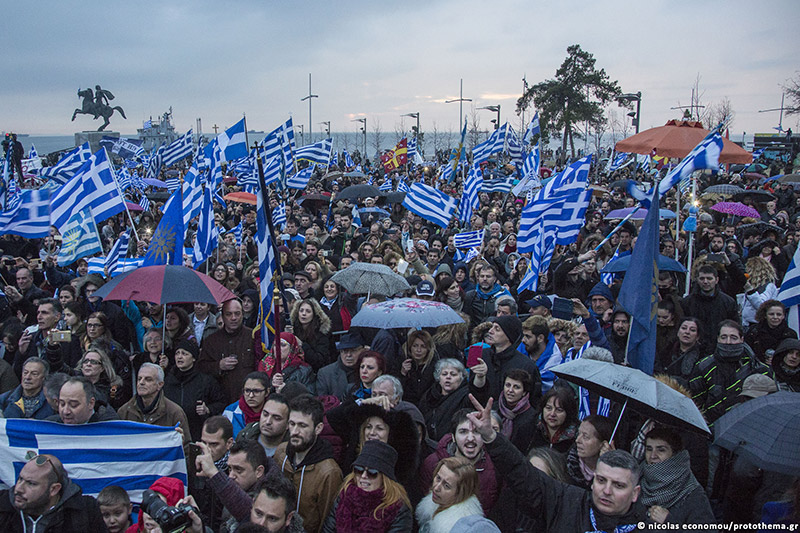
(756, 195)
(395, 197)
(314, 201)
(764, 430)
(354, 192)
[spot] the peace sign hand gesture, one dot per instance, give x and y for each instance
(482, 419)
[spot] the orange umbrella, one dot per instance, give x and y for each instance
(241, 197)
(676, 139)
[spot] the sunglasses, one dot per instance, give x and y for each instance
(371, 472)
(41, 460)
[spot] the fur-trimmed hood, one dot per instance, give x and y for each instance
(445, 521)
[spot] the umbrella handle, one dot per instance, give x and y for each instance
(619, 419)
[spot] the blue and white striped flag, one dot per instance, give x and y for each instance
(386, 186)
(498, 185)
(643, 162)
(608, 277)
(118, 251)
(789, 294)
(278, 216)
(619, 161)
(32, 153)
(514, 146)
(97, 265)
(334, 160)
(280, 141)
(563, 212)
(430, 204)
(469, 198)
(173, 184)
(66, 168)
(128, 454)
(272, 171)
(267, 265)
(155, 163)
(533, 129)
(756, 153)
(191, 196)
(178, 149)
(79, 238)
(472, 253)
(468, 239)
(144, 203)
(319, 152)
(301, 178)
(402, 186)
(530, 173)
(703, 156)
(207, 235)
(31, 216)
(233, 142)
(92, 186)
(348, 161)
(124, 178)
(237, 232)
(356, 217)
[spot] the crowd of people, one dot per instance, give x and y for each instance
(456, 428)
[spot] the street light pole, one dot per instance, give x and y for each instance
(496, 109)
(302, 137)
(327, 125)
(309, 97)
(627, 98)
(363, 122)
(416, 116)
(460, 101)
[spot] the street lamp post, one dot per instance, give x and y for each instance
(495, 109)
(627, 98)
(460, 101)
(416, 116)
(327, 125)
(302, 137)
(309, 97)
(363, 122)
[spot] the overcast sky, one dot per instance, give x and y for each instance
(217, 60)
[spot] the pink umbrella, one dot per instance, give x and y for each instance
(735, 208)
(133, 207)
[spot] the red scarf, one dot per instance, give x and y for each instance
(356, 511)
(249, 414)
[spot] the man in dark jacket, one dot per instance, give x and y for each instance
(45, 500)
(77, 404)
(28, 400)
(337, 378)
(479, 303)
(618, 335)
(611, 505)
(502, 356)
(709, 304)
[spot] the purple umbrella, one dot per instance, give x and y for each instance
(619, 214)
(155, 183)
(736, 208)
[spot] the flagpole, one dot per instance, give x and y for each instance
(119, 191)
(691, 243)
(616, 229)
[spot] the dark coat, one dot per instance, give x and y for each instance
(418, 381)
(188, 388)
(336, 380)
(500, 363)
(523, 429)
(760, 337)
(73, 512)
(10, 409)
(439, 409)
(710, 311)
(222, 344)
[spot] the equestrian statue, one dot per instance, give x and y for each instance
(96, 103)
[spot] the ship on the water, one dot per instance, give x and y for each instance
(155, 132)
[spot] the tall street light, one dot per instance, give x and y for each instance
(416, 116)
(309, 97)
(363, 122)
(495, 109)
(629, 98)
(460, 101)
(327, 125)
(302, 137)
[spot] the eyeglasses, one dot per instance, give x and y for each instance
(360, 470)
(253, 392)
(92, 362)
(94, 325)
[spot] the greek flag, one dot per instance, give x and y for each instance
(469, 198)
(147, 124)
(192, 196)
(280, 141)
(272, 171)
(97, 265)
(482, 151)
(514, 146)
(119, 250)
(128, 454)
(80, 238)
(412, 149)
(13, 195)
(207, 234)
(233, 142)
(530, 173)
(92, 186)
(574, 177)
(30, 217)
(319, 152)
(267, 265)
(356, 217)
(386, 186)
(541, 254)
(32, 153)
(300, 179)
(789, 294)
(66, 168)
(124, 178)
(704, 155)
(173, 184)
(563, 213)
(498, 185)
(178, 149)
(619, 161)
(237, 232)
(643, 162)
(155, 162)
(533, 129)
(144, 203)
(430, 204)
(530, 281)
(278, 216)
(402, 186)
(468, 239)
(608, 277)
(348, 161)
(756, 153)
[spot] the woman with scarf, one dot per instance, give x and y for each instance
(452, 504)
(786, 364)
(370, 365)
(669, 489)
(334, 304)
(759, 288)
(591, 442)
(448, 291)
(417, 368)
(515, 409)
(558, 422)
(769, 330)
(293, 365)
(451, 393)
(371, 500)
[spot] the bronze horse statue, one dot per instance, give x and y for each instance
(97, 105)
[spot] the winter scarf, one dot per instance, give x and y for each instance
(509, 414)
(562, 434)
(356, 511)
(456, 303)
(249, 415)
(494, 291)
(294, 358)
(668, 482)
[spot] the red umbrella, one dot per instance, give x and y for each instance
(735, 208)
(676, 139)
(241, 197)
(165, 284)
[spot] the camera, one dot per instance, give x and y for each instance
(172, 519)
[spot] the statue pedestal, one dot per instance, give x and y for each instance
(93, 138)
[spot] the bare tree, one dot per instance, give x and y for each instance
(377, 136)
(597, 132)
(436, 138)
(720, 112)
(473, 130)
(619, 126)
(792, 88)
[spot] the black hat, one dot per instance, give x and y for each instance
(425, 288)
(303, 274)
(190, 346)
(350, 340)
(540, 300)
(511, 326)
(379, 456)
